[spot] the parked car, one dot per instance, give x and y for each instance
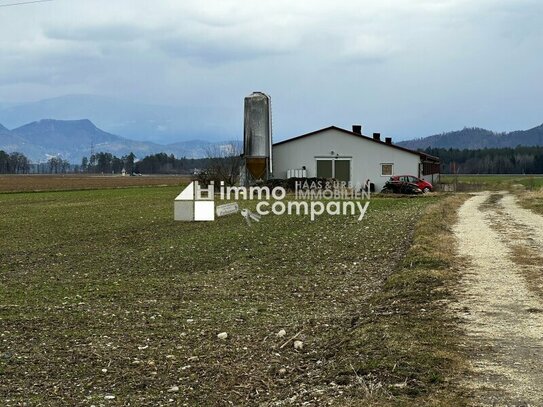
(424, 186)
(400, 187)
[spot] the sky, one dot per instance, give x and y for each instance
(407, 69)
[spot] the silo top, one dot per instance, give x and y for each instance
(258, 93)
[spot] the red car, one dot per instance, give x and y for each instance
(424, 186)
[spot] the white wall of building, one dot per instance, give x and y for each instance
(366, 156)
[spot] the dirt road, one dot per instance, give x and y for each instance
(501, 299)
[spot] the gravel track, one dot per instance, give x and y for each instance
(502, 317)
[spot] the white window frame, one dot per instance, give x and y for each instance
(391, 170)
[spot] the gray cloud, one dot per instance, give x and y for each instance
(108, 32)
(405, 68)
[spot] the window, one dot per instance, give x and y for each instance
(325, 169)
(340, 169)
(387, 170)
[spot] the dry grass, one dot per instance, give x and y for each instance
(532, 200)
(494, 182)
(530, 261)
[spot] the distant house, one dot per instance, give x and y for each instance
(350, 156)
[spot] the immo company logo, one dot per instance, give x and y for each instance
(195, 204)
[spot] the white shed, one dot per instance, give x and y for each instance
(350, 156)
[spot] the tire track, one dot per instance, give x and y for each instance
(532, 223)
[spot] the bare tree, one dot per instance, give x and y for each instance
(223, 163)
(57, 165)
(19, 163)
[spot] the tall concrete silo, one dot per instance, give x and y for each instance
(257, 137)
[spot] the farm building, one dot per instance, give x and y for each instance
(350, 156)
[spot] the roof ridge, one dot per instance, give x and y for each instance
(407, 150)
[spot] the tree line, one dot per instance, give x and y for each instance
(14, 163)
(18, 163)
(104, 163)
(163, 163)
(107, 163)
(160, 163)
(519, 160)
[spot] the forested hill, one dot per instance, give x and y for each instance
(519, 160)
(476, 138)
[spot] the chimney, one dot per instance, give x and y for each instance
(388, 140)
(357, 129)
(377, 136)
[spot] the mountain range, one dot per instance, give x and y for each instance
(74, 139)
(147, 122)
(476, 138)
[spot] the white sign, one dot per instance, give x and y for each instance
(227, 209)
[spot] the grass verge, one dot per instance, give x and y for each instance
(409, 338)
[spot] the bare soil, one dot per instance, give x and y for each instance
(500, 300)
(64, 182)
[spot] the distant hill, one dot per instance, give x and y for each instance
(65, 134)
(475, 138)
(72, 140)
(137, 121)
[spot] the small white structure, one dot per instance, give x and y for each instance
(350, 156)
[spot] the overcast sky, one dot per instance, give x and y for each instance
(404, 68)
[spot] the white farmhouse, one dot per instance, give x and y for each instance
(350, 156)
